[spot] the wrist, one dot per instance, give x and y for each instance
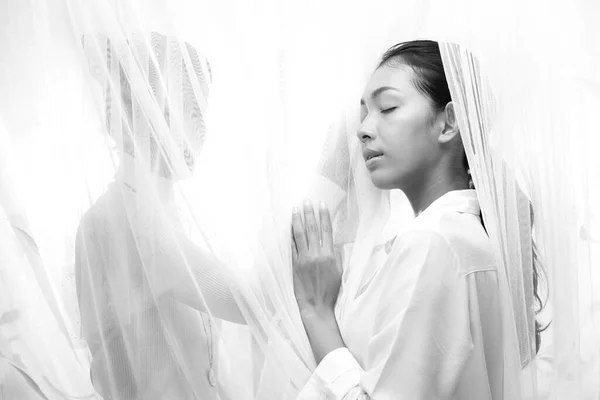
(317, 313)
(322, 330)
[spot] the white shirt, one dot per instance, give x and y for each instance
(125, 321)
(425, 321)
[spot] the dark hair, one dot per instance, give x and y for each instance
(425, 59)
(538, 272)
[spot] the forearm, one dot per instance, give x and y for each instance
(215, 297)
(204, 284)
(338, 374)
(180, 269)
(322, 330)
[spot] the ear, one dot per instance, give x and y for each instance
(450, 129)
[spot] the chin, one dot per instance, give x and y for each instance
(383, 181)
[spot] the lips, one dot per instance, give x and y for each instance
(368, 154)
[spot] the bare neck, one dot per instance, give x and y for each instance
(422, 194)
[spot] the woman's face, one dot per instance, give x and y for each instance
(398, 130)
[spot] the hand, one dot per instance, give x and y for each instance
(317, 275)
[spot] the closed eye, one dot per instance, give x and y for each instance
(388, 110)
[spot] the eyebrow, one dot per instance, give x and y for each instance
(378, 91)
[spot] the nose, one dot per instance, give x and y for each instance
(366, 130)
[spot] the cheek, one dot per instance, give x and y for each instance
(404, 139)
(408, 148)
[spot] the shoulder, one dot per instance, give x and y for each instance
(454, 237)
(90, 221)
(95, 220)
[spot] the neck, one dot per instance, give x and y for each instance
(165, 189)
(127, 174)
(427, 191)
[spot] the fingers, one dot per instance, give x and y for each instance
(308, 235)
(298, 233)
(326, 228)
(312, 229)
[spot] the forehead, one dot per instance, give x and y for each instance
(398, 76)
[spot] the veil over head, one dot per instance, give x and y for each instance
(149, 238)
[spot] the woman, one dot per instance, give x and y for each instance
(425, 322)
(146, 343)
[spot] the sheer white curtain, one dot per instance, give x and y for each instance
(527, 101)
(157, 149)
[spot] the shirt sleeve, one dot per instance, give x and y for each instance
(336, 377)
(420, 339)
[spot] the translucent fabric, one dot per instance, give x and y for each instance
(527, 124)
(40, 357)
(152, 152)
(507, 212)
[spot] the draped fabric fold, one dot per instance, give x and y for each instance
(505, 208)
(151, 153)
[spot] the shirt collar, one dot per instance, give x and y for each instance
(463, 201)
